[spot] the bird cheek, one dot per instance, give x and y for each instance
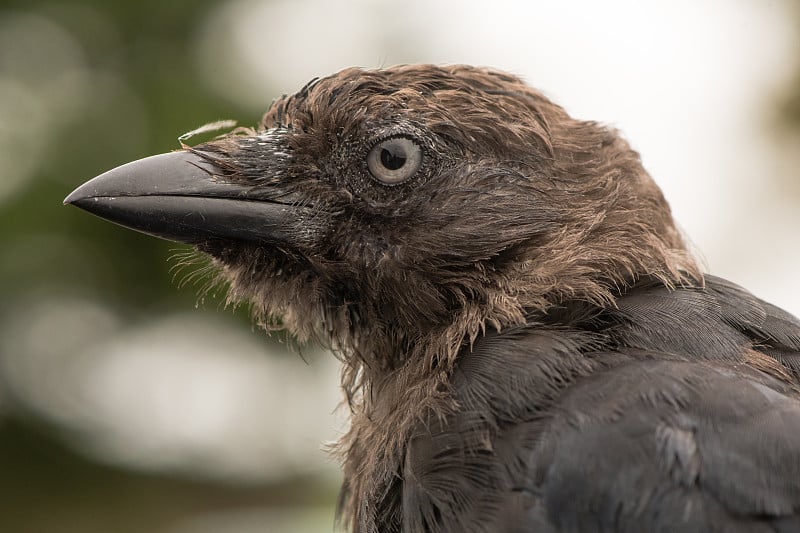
(367, 251)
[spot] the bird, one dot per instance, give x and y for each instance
(527, 341)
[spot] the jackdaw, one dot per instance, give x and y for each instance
(527, 344)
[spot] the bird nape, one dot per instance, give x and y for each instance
(527, 343)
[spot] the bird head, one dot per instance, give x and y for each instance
(397, 213)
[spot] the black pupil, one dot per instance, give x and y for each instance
(393, 157)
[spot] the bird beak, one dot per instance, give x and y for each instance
(180, 196)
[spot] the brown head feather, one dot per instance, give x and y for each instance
(518, 208)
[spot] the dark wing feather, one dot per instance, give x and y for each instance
(671, 446)
(713, 322)
(687, 435)
(648, 417)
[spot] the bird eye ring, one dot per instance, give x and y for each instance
(394, 160)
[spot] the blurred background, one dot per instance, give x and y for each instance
(129, 404)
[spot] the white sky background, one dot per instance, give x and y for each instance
(690, 84)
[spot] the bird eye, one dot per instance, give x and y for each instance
(394, 160)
